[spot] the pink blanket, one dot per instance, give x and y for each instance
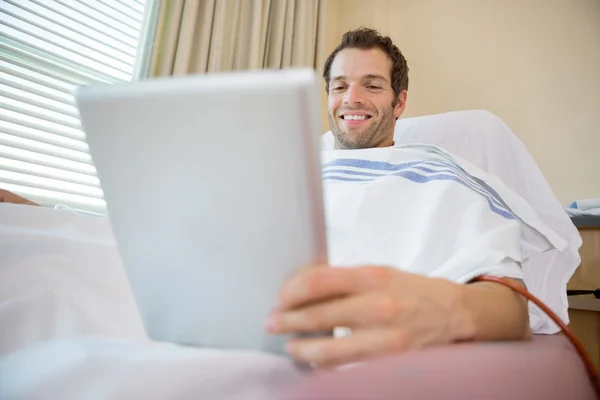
(547, 367)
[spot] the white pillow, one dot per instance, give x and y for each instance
(61, 277)
(481, 138)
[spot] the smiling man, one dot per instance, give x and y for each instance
(366, 78)
(409, 227)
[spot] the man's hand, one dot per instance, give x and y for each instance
(8, 197)
(389, 311)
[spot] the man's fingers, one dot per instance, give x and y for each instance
(359, 346)
(361, 310)
(316, 284)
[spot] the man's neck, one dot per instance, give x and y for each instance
(387, 143)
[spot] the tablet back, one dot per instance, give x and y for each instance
(213, 189)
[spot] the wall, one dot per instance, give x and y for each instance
(534, 63)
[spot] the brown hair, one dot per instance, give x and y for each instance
(366, 39)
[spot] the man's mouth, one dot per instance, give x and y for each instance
(354, 117)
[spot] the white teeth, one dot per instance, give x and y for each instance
(355, 117)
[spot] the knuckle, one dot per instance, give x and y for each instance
(317, 318)
(299, 287)
(386, 309)
(397, 340)
(309, 351)
(376, 274)
(313, 283)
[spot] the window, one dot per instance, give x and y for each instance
(47, 48)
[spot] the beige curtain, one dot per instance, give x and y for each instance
(197, 36)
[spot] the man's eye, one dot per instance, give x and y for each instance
(373, 87)
(338, 88)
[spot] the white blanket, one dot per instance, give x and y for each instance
(417, 208)
(96, 368)
(70, 329)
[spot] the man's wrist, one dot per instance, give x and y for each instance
(462, 323)
(489, 311)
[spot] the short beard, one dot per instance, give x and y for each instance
(372, 137)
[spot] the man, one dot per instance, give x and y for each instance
(388, 310)
(413, 297)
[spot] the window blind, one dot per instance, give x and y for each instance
(48, 48)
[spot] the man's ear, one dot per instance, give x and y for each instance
(400, 104)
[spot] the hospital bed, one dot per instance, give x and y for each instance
(69, 328)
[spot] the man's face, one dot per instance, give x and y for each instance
(361, 100)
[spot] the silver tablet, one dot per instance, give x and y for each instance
(214, 193)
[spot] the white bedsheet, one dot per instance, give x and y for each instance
(69, 328)
(88, 368)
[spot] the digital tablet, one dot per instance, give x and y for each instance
(214, 194)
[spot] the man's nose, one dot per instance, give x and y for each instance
(353, 95)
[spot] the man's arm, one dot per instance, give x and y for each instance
(491, 311)
(391, 311)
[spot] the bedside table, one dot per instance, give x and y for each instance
(584, 310)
